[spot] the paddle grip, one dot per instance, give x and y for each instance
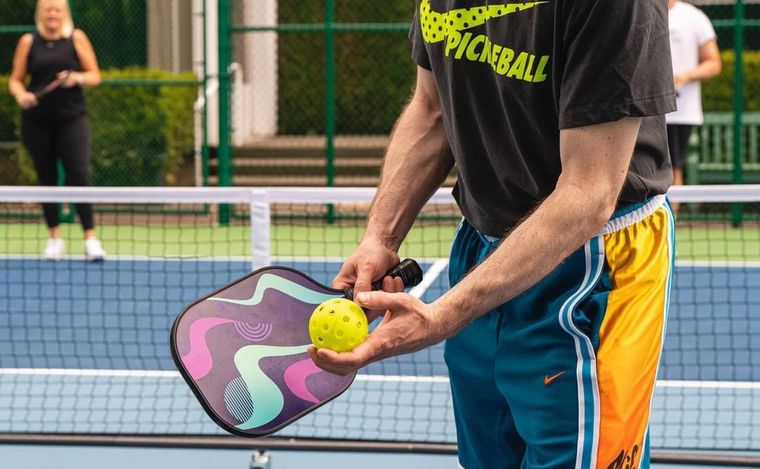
(408, 270)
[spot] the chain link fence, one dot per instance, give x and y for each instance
(333, 75)
(147, 118)
(308, 91)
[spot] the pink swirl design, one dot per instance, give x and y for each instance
(198, 361)
(295, 379)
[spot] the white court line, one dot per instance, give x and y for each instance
(338, 260)
(724, 264)
(111, 258)
(161, 258)
(361, 377)
(88, 373)
(429, 277)
(709, 384)
(402, 379)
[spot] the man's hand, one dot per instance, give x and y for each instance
(367, 264)
(680, 80)
(26, 100)
(409, 325)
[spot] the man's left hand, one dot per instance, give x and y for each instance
(409, 325)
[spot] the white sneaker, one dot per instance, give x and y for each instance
(54, 249)
(93, 250)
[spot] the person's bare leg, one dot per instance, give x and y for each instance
(677, 181)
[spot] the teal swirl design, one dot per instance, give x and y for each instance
(266, 397)
(274, 282)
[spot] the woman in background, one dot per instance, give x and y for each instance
(696, 57)
(60, 61)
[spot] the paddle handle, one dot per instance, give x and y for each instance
(408, 270)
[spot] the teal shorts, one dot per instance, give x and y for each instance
(562, 376)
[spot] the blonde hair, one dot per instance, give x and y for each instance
(67, 23)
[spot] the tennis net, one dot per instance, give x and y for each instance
(84, 346)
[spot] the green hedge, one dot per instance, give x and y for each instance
(141, 133)
(8, 112)
(375, 71)
(718, 92)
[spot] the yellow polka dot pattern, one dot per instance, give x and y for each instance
(436, 26)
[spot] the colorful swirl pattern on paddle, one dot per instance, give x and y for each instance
(245, 350)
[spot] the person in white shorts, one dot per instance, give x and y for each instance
(696, 57)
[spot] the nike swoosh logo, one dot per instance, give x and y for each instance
(550, 379)
(437, 26)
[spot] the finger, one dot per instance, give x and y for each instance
(383, 300)
(360, 356)
(346, 275)
(364, 277)
(373, 314)
(333, 362)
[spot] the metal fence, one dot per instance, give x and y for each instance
(237, 92)
(332, 72)
(148, 115)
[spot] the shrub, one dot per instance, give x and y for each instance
(718, 92)
(141, 132)
(374, 71)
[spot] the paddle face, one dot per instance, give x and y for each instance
(242, 350)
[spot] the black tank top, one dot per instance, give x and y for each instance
(46, 59)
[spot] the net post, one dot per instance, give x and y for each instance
(330, 99)
(261, 220)
(738, 156)
(224, 156)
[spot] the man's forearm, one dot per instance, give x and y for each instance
(595, 161)
(416, 164)
(530, 252)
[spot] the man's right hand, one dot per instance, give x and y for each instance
(368, 263)
(26, 100)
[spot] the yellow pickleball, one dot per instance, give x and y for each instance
(338, 324)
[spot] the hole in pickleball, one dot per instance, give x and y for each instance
(332, 311)
(325, 327)
(346, 319)
(339, 333)
(320, 339)
(359, 325)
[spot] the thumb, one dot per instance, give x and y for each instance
(382, 300)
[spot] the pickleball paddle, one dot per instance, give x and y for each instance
(243, 349)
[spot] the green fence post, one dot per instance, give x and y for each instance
(330, 98)
(204, 116)
(224, 155)
(738, 156)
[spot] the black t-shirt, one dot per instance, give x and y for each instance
(510, 76)
(46, 59)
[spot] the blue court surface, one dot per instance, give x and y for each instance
(84, 349)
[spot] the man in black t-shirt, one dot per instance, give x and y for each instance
(553, 113)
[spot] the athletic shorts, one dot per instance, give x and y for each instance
(562, 376)
(678, 143)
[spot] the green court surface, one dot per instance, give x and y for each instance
(713, 243)
(206, 241)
